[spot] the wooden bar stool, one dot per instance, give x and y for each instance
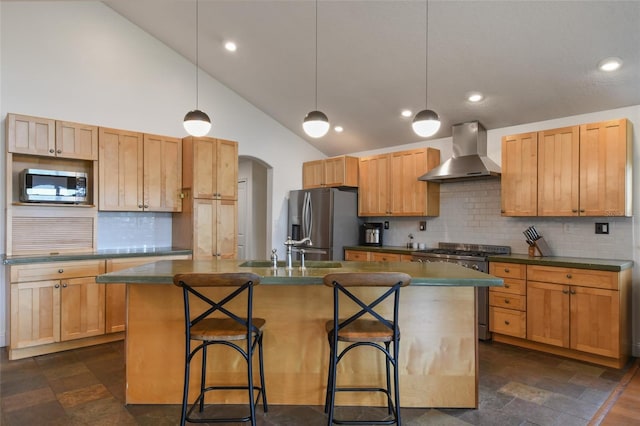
(225, 328)
(379, 333)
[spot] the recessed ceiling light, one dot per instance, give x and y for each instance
(610, 64)
(230, 46)
(338, 129)
(475, 97)
(406, 113)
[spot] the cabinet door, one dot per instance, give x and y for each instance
(341, 171)
(75, 140)
(357, 255)
(519, 181)
(115, 313)
(31, 135)
(82, 307)
(408, 195)
(605, 169)
(227, 170)
(162, 173)
(548, 313)
(558, 172)
(313, 174)
(120, 170)
(595, 316)
(227, 229)
(35, 313)
(214, 229)
(384, 257)
(373, 193)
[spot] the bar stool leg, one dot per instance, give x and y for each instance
(389, 408)
(396, 348)
(329, 382)
(185, 391)
(262, 383)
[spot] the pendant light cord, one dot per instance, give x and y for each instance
(197, 55)
(426, 56)
(316, 63)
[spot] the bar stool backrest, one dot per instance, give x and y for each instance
(241, 281)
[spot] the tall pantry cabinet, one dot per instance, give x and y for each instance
(208, 221)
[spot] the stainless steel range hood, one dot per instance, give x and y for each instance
(469, 160)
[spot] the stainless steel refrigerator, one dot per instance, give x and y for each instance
(328, 216)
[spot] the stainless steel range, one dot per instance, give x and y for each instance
(474, 256)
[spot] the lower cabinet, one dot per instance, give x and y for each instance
(375, 256)
(579, 313)
(82, 308)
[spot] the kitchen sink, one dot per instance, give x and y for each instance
(296, 264)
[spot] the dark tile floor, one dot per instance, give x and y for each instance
(86, 387)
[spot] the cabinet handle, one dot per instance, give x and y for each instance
(51, 151)
(59, 151)
(60, 270)
(64, 285)
(574, 210)
(140, 206)
(507, 301)
(581, 210)
(506, 270)
(502, 211)
(507, 286)
(57, 286)
(569, 276)
(565, 291)
(146, 206)
(572, 291)
(507, 322)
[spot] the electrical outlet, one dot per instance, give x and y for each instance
(386, 224)
(602, 227)
(423, 225)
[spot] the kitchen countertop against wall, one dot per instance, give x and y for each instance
(98, 254)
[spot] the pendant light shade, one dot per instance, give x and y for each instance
(197, 123)
(426, 123)
(316, 124)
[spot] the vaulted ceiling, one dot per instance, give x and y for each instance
(532, 60)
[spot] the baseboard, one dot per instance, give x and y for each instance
(3, 342)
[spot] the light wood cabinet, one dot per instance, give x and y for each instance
(115, 294)
(139, 172)
(389, 185)
(357, 255)
(519, 186)
(579, 313)
(508, 304)
(581, 170)
(208, 223)
(375, 256)
(330, 172)
(51, 138)
(54, 303)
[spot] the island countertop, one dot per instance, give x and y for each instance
(425, 274)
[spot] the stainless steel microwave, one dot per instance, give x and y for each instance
(53, 186)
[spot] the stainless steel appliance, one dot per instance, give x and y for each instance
(52, 186)
(371, 234)
(474, 256)
(328, 216)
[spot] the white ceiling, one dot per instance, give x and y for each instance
(533, 60)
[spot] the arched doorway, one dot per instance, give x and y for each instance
(254, 208)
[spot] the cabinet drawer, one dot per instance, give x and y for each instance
(573, 276)
(507, 300)
(508, 270)
(57, 270)
(512, 286)
(359, 256)
(385, 257)
(508, 321)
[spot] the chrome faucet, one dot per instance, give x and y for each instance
(289, 244)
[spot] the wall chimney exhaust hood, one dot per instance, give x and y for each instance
(469, 160)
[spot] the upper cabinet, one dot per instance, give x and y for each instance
(210, 168)
(330, 172)
(139, 172)
(51, 138)
(573, 171)
(389, 185)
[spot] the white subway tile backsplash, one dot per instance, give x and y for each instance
(470, 213)
(133, 230)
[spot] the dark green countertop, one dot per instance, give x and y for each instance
(568, 262)
(99, 254)
(383, 249)
(426, 274)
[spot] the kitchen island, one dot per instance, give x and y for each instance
(438, 349)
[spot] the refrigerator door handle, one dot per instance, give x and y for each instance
(307, 217)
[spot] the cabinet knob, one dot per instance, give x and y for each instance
(574, 210)
(506, 270)
(64, 285)
(146, 206)
(59, 151)
(502, 211)
(140, 206)
(581, 210)
(51, 151)
(569, 276)
(565, 291)
(507, 285)
(507, 301)
(572, 291)
(57, 286)
(507, 322)
(60, 270)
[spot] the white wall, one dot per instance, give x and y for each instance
(81, 61)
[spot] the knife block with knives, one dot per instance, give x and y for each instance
(537, 244)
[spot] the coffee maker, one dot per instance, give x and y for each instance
(371, 234)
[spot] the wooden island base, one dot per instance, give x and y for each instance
(438, 360)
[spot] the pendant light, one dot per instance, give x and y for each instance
(196, 122)
(426, 123)
(316, 123)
